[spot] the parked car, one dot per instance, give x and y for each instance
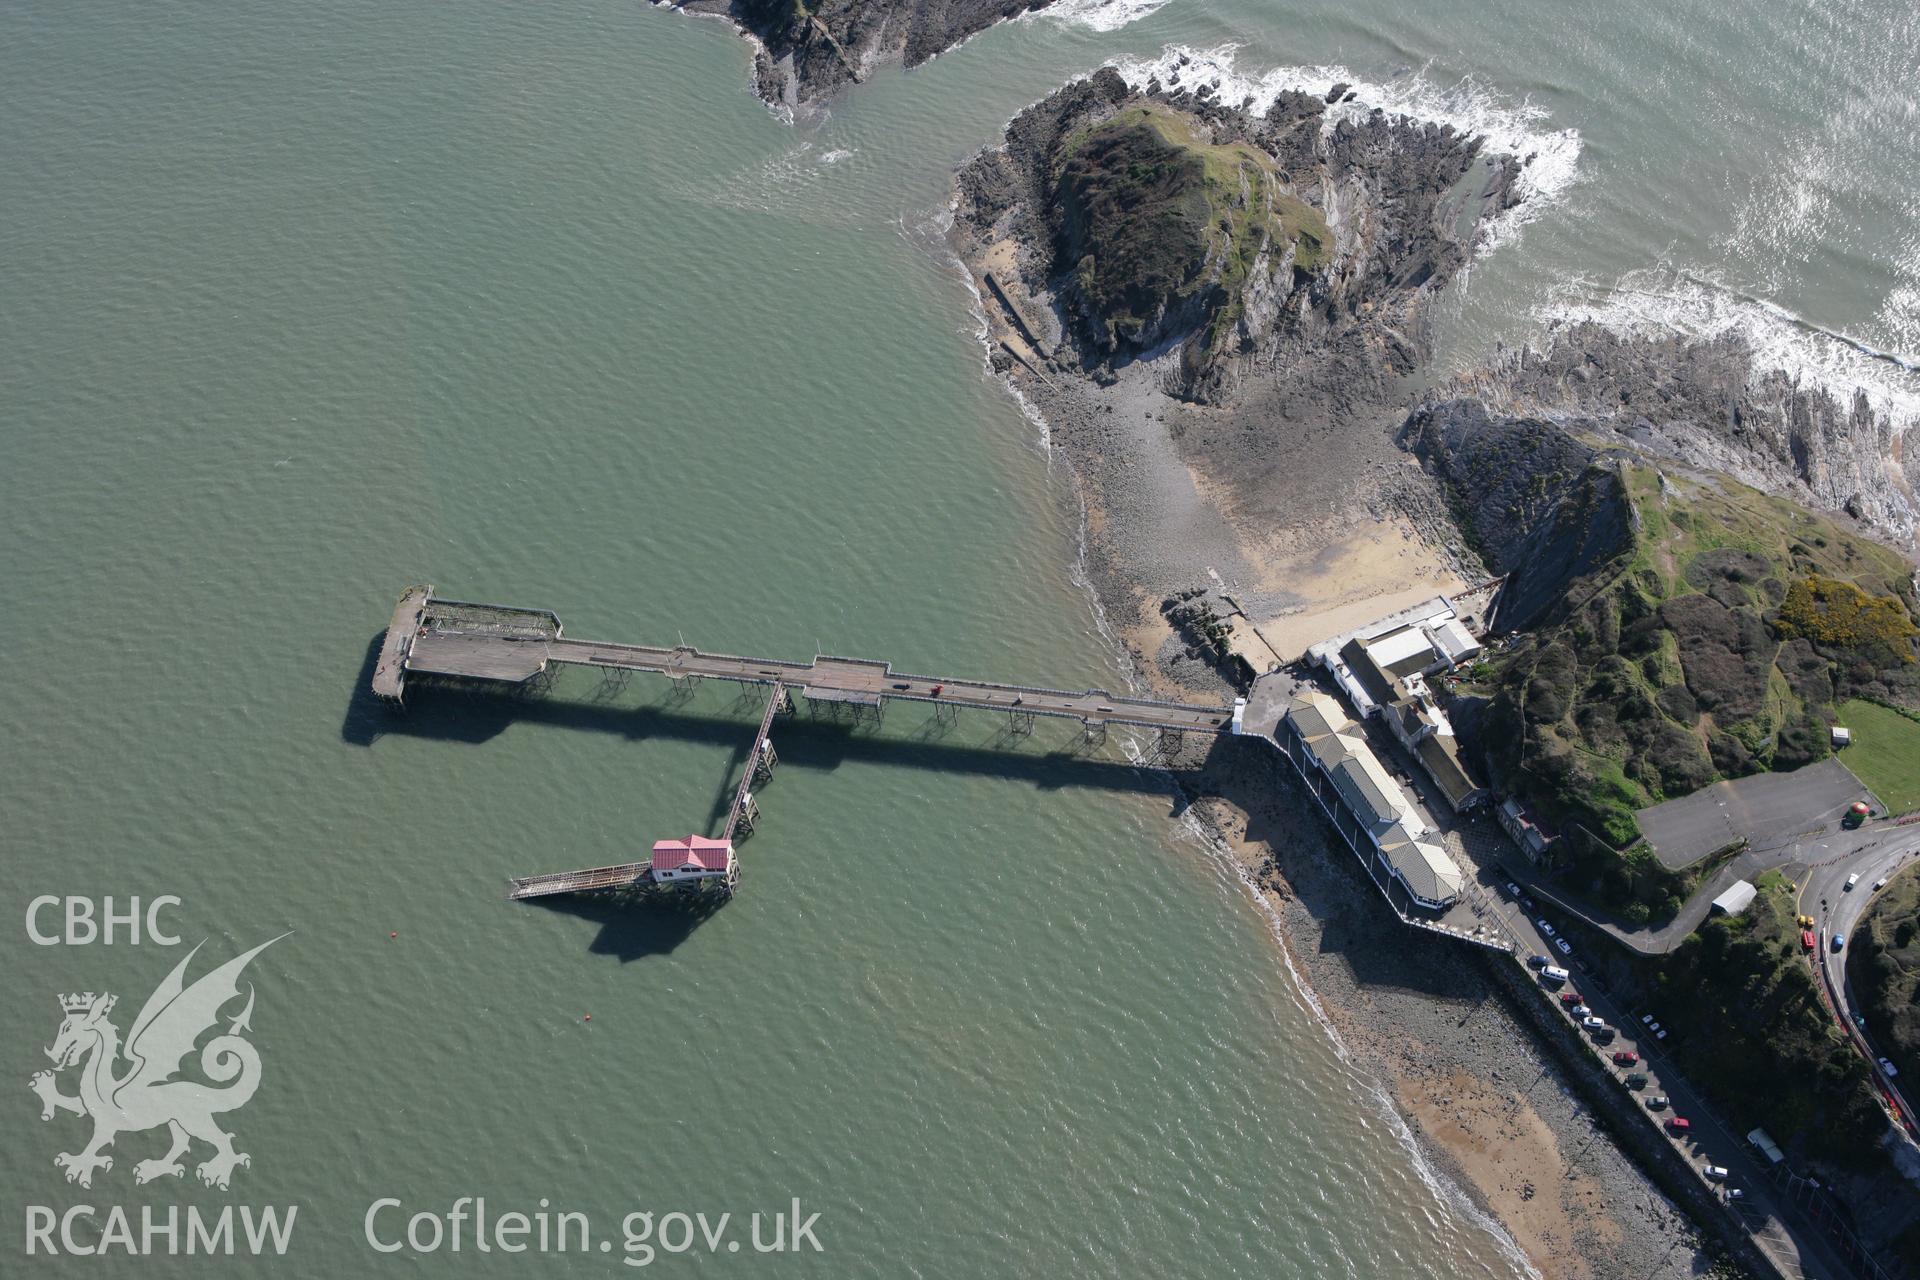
(1579, 1011)
(1735, 1193)
(1879, 884)
(1657, 1102)
(1539, 962)
(1513, 890)
(1592, 1023)
(1636, 1080)
(1714, 1172)
(1679, 1124)
(1555, 974)
(1626, 1058)
(1889, 1069)
(1566, 948)
(1570, 998)
(1546, 930)
(1647, 1018)
(1653, 1026)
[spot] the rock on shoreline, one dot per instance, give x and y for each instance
(808, 50)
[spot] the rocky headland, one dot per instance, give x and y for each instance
(805, 52)
(1221, 319)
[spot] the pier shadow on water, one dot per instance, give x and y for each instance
(634, 926)
(470, 714)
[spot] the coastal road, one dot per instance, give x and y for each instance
(1824, 846)
(1798, 1250)
(1838, 911)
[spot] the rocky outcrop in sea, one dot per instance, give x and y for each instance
(808, 51)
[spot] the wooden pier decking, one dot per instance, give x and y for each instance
(624, 876)
(437, 643)
(389, 670)
(742, 816)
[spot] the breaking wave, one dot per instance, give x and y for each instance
(1549, 157)
(1097, 15)
(1662, 300)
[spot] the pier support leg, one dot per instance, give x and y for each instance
(1096, 733)
(1020, 723)
(680, 690)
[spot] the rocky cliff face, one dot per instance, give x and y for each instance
(1536, 503)
(811, 49)
(1285, 244)
(1705, 404)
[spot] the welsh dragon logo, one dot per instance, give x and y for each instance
(146, 1093)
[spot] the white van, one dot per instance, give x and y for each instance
(1853, 880)
(1554, 973)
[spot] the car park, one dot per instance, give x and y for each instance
(1657, 1102)
(1714, 1172)
(1679, 1124)
(1626, 1058)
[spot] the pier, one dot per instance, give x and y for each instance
(513, 646)
(506, 645)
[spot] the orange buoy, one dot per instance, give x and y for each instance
(589, 1017)
(393, 935)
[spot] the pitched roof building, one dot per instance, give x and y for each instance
(696, 857)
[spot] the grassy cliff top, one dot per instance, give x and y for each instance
(1155, 216)
(1715, 643)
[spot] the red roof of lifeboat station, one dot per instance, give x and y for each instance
(697, 851)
